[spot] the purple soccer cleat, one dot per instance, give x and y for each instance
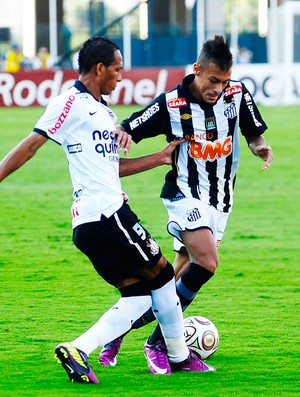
(108, 355)
(157, 359)
(192, 364)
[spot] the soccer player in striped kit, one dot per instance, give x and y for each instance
(207, 109)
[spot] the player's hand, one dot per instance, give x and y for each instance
(266, 154)
(123, 140)
(168, 150)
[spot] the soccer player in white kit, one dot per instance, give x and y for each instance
(104, 227)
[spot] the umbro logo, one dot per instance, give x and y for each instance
(186, 116)
(92, 113)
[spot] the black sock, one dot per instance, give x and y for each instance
(146, 318)
(190, 283)
(155, 336)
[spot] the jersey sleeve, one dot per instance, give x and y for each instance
(150, 121)
(59, 116)
(251, 121)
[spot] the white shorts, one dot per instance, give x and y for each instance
(190, 214)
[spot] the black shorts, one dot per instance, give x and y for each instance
(117, 246)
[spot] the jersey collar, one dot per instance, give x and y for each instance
(185, 88)
(82, 88)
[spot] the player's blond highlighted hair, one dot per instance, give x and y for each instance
(216, 51)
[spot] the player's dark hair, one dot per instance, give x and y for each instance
(216, 51)
(95, 50)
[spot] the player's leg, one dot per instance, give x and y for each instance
(203, 259)
(193, 277)
(167, 310)
(181, 260)
(198, 234)
(109, 352)
(166, 306)
(74, 355)
(97, 240)
(172, 352)
(116, 321)
(202, 247)
(93, 239)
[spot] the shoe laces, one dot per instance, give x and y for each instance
(161, 351)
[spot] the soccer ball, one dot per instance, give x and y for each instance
(201, 336)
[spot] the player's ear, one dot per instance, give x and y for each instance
(99, 68)
(196, 68)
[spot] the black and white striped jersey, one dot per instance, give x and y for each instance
(205, 165)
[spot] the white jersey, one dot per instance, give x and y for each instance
(83, 126)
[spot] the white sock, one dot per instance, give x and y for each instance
(167, 310)
(114, 323)
(177, 349)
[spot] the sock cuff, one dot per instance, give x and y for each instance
(166, 274)
(195, 277)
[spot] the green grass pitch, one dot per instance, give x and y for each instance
(50, 293)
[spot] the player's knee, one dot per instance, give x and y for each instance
(212, 266)
(208, 262)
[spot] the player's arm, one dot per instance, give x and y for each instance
(20, 154)
(144, 163)
(259, 147)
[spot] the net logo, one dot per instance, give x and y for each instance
(106, 144)
(210, 151)
(176, 103)
(63, 115)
